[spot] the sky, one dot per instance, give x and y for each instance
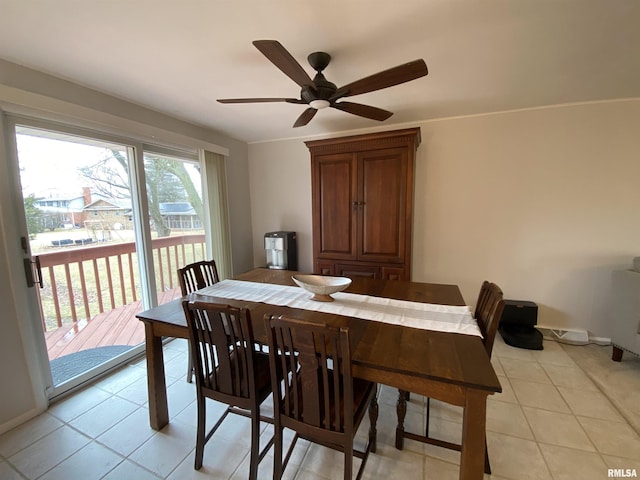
(49, 168)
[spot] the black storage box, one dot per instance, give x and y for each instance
(517, 325)
(519, 312)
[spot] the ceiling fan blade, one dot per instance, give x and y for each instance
(306, 117)
(361, 110)
(259, 100)
(281, 58)
(387, 78)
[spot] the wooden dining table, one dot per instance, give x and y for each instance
(450, 367)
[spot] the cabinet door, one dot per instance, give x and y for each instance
(383, 203)
(334, 215)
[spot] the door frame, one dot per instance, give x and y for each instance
(27, 297)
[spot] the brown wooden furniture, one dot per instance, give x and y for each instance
(451, 367)
(230, 368)
(488, 312)
(197, 275)
(193, 277)
(362, 202)
(314, 393)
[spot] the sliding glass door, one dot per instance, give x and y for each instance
(108, 222)
(176, 220)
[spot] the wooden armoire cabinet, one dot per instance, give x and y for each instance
(362, 197)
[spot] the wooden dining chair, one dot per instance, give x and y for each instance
(314, 393)
(229, 368)
(193, 277)
(488, 312)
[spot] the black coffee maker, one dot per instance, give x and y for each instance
(282, 250)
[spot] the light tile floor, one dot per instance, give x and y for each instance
(565, 413)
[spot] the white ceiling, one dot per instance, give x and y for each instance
(178, 57)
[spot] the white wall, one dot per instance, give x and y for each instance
(280, 183)
(544, 202)
(239, 207)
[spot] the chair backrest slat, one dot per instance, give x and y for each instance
(483, 297)
(224, 347)
(313, 369)
(309, 369)
(197, 275)
(488, 312)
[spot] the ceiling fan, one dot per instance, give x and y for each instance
(320, 93)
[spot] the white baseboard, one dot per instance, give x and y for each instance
(604, 341)
(14, 422)
(571, 336)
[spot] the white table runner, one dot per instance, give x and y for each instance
(428, 316)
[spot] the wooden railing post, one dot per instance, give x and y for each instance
(106, 280)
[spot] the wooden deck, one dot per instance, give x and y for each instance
(115, 327)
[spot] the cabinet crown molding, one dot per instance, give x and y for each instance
(369, 141)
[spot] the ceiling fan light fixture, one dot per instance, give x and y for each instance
(319, 104)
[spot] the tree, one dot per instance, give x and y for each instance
(167, 180)
(34, 216)
(178, 169)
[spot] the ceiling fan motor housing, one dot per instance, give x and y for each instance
(323, 89)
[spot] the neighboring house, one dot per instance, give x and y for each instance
(116, 214)
(109, 214)
(99, 213)
(180, 216)
(60, 210)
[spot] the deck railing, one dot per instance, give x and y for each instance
(82, 281)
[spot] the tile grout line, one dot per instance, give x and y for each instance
(301, 472)
(538, 442)
(604, 391)
(526, 418)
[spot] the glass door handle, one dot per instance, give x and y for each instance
(29, 272)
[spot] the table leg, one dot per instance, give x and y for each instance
(472, 457)
(373, 420)
(616, 355)
(401, 409)
(156, 383)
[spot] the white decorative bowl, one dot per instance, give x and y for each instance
(321, 286)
